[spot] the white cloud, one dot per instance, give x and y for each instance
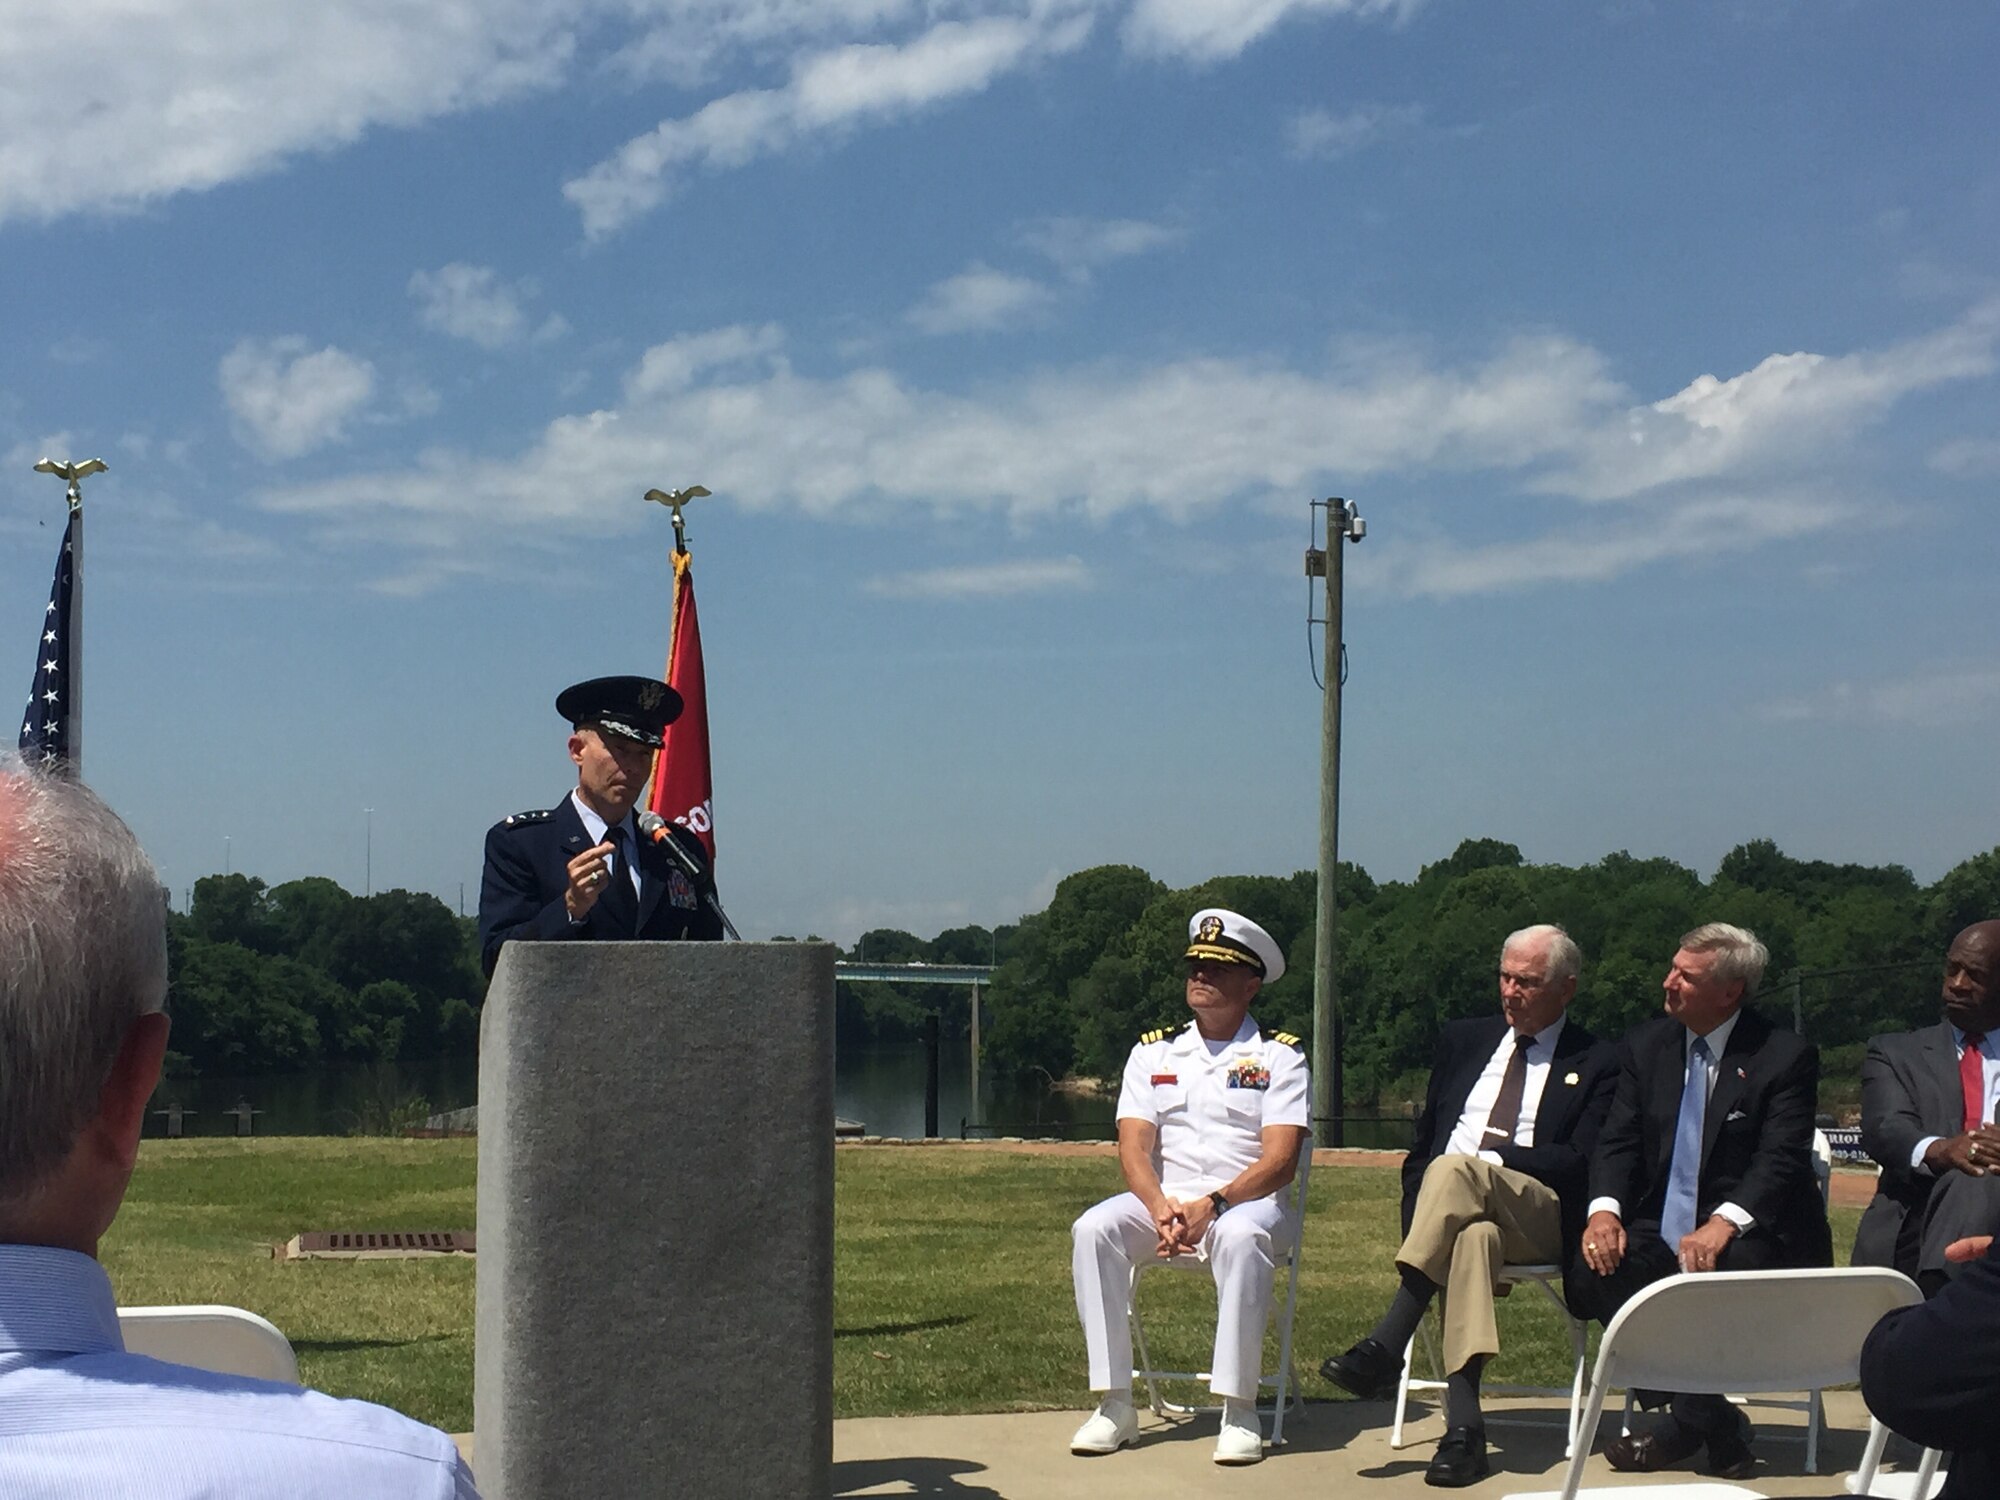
(1078, 246)
(1968, 458)
(1191, 438)
(474, 303)
(1593, 551)
(110, 106)
(113, 106)
(1213, 30)
(979, 299)
(828, 90)
(1787, 408)
(674, 365)
(285, 398)
(1325, 135)
(984, 580)
(1928, 700)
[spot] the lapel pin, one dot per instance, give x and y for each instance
(1570, 1079)
(1743, 1075)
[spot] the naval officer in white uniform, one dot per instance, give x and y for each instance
(1210, 1121)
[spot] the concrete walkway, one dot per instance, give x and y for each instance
(1332, 1448)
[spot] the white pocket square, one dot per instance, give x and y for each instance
(1735, 1114)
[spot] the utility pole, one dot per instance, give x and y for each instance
(368, 855)
(1343, 524)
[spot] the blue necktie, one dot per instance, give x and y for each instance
(1685, 1174)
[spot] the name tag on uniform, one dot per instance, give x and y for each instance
(1166, 1078)
(1248, 1074)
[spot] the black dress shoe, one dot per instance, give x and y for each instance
(1647, 1452)
(1729, 1455)
(1460, 1460)
(1368, 1370)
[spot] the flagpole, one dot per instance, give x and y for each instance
(74, 474)
(75, 498)
(673, 502)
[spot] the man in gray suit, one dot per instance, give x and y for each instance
(1927, 1108)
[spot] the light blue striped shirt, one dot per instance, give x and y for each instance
(80, 1419)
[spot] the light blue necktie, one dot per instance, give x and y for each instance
(1685, 1174)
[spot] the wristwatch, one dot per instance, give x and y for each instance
(1219, 1201)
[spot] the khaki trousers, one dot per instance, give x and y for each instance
(1472, 1218)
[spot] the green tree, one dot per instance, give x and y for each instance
(303, 916)
(237, 1011)
(1969, 892)
(231, 909)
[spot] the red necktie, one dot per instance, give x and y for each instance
(1972, 1080)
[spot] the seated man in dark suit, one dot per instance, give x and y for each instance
(1927, 1101)
(1703, 1164)
(1498, 1172)
(1932, 1372)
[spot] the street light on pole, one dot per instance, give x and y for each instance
(1343, 524)
(368, 855)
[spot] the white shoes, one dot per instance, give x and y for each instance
(1115, 1425)
(1241, 1440)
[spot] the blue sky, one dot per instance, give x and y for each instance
(1656, 343)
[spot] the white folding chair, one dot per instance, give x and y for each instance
(1921, 1483)
(1812, 1405)
(227, 1340)
(1729, 1331)
(1284, 1382)
(1549, 1279)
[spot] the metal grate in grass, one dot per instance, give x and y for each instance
(395, 1244)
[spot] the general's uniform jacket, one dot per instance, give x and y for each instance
(527, 871)
(1211, 1111)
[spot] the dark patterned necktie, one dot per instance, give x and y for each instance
(1506, 1116)
(620, 903)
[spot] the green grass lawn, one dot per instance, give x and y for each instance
(951, 1270)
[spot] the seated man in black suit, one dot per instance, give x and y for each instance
(1703, 1164)
(1927, 1101)
(1498, 1172)
(1932, 1372)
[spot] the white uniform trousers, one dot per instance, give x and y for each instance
(1117, 1234)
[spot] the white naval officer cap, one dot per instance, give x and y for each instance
(1230, 938)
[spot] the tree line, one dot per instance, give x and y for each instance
(306, 975)
(1078, 982)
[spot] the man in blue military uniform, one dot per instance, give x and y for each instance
(582, 869)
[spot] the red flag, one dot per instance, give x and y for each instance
(683, 791)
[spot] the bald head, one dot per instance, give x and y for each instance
(1972, 978)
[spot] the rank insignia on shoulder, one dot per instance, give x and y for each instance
(1154, 1036)
(541, 815)
(1288, 1039)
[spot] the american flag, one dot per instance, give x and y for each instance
(45, 728)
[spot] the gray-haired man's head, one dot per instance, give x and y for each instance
(83, 955)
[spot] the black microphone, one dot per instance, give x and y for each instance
(661, 832)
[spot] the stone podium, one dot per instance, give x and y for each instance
(655, 1279)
